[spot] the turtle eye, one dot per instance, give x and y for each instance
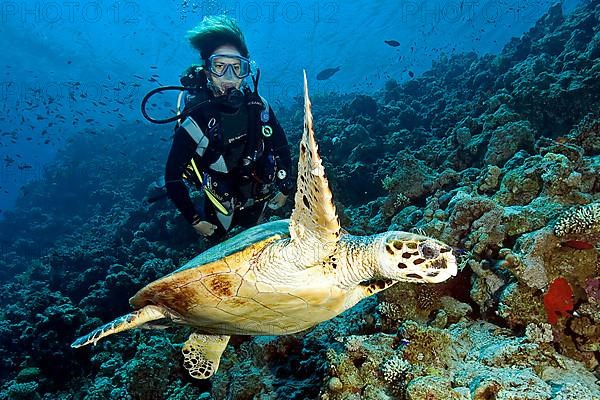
(429, 250)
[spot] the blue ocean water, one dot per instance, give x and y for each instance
(84, 66)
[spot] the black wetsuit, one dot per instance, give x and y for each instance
(215, 137)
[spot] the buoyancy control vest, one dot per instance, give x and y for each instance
(233, 136)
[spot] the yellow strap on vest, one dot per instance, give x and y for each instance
(208, 193)
(210, 196)
(197, 171)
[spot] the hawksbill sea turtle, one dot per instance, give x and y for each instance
(280, 277)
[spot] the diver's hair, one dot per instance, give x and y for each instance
(215, 31)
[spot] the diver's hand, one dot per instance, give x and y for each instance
(204, 228)
(277, 201)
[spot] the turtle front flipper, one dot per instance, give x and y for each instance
(314, 225)
(202, 354)
(132, 320)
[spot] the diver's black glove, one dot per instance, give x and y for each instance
(254, 102)
(286, 186)
(193, 76)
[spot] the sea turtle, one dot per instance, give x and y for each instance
(280, 277)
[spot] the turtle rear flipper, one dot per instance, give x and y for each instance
(202, 354)
(132, 320)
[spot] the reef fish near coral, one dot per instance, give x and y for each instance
(578, 245)
(281, 277)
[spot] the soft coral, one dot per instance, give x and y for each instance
(558, 300)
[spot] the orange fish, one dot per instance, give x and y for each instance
(558, 300)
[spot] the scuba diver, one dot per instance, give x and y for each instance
(229, 146)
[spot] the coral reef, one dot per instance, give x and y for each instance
(473, 360)
(497, 155)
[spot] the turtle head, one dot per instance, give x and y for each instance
(409, 257)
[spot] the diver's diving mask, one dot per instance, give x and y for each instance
(232, 65)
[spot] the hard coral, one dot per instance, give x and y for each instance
(507, 140)
(489, 179)
(395, 369)
(18, 391)
(519, 305)
(476, 221)
(521, 185)
(431, 388)
(586, 132)
(559, 177)
(359, 367)
(539, 333)
(579, 220)
(361, 104)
